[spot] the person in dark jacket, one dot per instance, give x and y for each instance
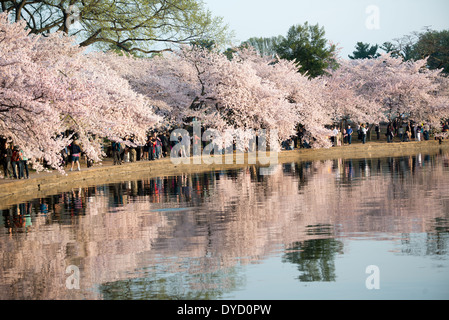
(76, 153)
(378, 131)
(6, 155)
(390, 133)
(165, 138)
(116, 150)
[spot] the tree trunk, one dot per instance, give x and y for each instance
(370, 130)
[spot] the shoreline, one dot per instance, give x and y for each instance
(44, 184)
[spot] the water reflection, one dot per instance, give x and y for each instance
(315, 258)
(191, 236)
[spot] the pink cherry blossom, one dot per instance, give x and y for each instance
(48, 85)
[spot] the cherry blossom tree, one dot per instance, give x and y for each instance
(343, 102)
(49, 86)
(224, 95)
(30, 96)
(305, 95)
(108, 107)
(247, 92)
(393, 88)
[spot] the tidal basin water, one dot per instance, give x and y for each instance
(337, 229)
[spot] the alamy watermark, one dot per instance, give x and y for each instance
(373, 280)
(372, 21)
(73, 280)
(247, 143)
(73, 16)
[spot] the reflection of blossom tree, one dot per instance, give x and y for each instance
(179, 286)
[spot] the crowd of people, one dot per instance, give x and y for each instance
(159, 145)
(412, 131)
(409, 131)
(14, 162)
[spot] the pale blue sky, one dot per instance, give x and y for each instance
(345, 21)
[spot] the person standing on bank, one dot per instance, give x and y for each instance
(349, 133)
(76, 153)
(345, 136)
(359, 132)
(426, 132)
(25, 171)
(16, 161)
(116, 149)
(334, 136)
(418, 133)
(363, 131)
(390, 133)
(6, 161)
(408, 133)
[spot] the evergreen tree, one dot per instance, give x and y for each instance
(307, 45)
(365, 51)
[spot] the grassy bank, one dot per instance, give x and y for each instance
(48, 183)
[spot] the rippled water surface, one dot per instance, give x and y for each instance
(309, 231)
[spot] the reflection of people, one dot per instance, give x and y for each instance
(7, 219)
(26, 212)
(43, 207)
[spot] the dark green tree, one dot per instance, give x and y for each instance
(306, 44)
(434, 45)
(365, 51)
(389, 47)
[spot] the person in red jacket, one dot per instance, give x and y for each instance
(16, 161)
